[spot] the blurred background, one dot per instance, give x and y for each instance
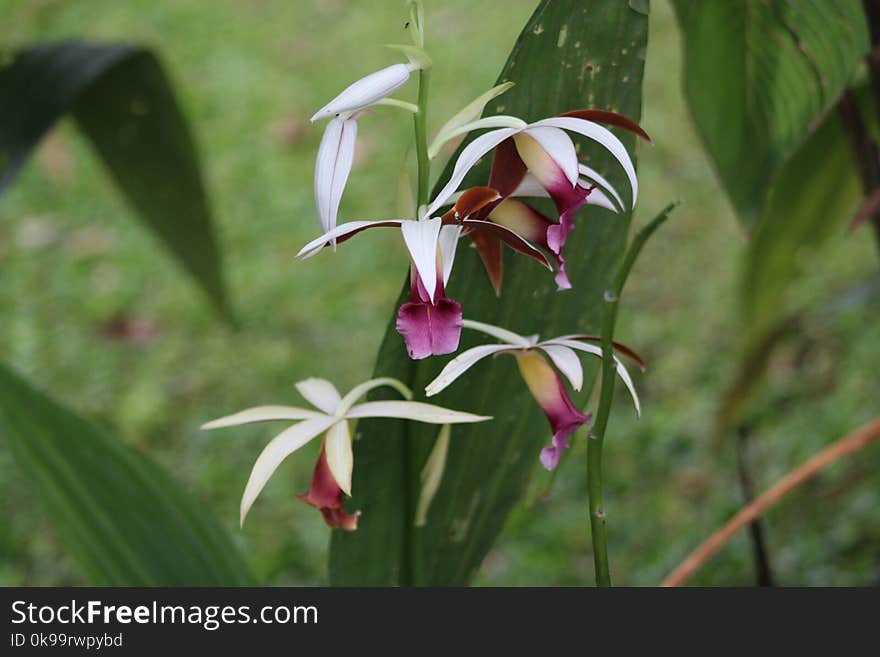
(92, 310)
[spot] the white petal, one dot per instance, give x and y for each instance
(461, 364)
(594, 349)
(319, 243)
(595, 177)
(567, 362)
(448, 243)
(366, 91)
(513, 339)
(597, 351)
(337, 447)
(559, 147)
(261, 414)
(410, 410)
(499, 121)
(628, 382)
(320, 393)
(284, 444)
(332, 166)
(529, 186)
(421, 239)
(597, 197)
(603, 136)
(360, 390)
(466, 160)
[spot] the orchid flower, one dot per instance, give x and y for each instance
(541, 378)
(332, 474)
(540, 159)
(336, 152)
(431, 323)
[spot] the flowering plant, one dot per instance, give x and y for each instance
(529, 159)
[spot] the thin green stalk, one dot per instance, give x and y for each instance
(421, 124)
(411, 564)
(597, 433)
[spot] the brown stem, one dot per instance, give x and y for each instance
(760, 554)
(843, 447)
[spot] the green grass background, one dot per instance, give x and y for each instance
(249, 73)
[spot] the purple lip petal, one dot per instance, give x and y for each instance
(562, 282)
(325, 495)
(567, 197)
(429, 329)
(548, 390)
(568, 200)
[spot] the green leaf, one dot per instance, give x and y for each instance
(116, 512)
(758, 75)
(816, 193)
(124, 103)
(570, 55)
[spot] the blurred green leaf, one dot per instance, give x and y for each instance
(123, 101)
(815, 194)
(117, 513)
(759, 74)
(570, 55)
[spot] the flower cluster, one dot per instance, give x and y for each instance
(528, 160)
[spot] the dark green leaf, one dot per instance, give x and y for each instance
(123, 101)
(758, 75)
(570, 55)
(118, 514)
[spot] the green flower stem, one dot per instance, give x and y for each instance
(421, 124)
(411, 566)
(597, 433)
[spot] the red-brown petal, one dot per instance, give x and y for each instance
(473, 200)
(618, 346)
(610, 118)
(378, 224)
(489, 247)
(510, 238)
(325, 495)
(508, 169)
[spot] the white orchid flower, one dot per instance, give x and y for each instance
(336, 152)
(333, 472)
(540, 377)
(539, 159)
(421, 236)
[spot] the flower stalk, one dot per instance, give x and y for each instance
(598, 516)
(421, 128)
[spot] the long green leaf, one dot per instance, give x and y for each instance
(123, 101)
(758, 75)
(116, 512)
(570, 55)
